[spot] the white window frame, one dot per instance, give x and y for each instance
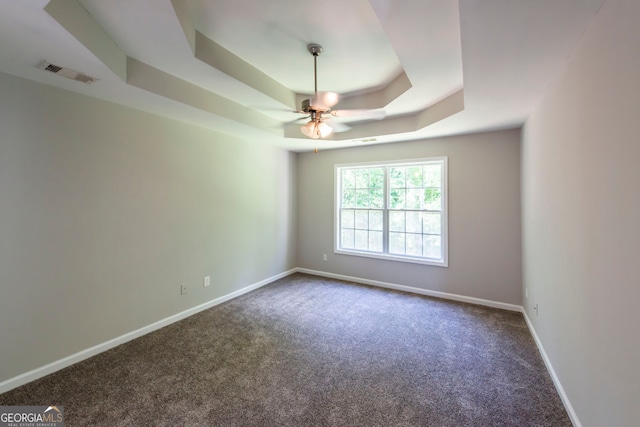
(443, 261)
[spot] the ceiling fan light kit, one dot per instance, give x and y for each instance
(316, 129)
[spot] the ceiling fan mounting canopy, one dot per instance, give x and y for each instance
(314, 49)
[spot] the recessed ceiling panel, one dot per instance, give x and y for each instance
(273, 36)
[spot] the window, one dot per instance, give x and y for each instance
(393, 210)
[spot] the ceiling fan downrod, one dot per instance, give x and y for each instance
(315, 50)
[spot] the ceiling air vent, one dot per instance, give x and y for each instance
(66, 72)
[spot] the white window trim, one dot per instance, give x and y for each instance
(443, 262)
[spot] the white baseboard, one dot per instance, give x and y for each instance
(437, 294)
(42, 371)
(556, 381)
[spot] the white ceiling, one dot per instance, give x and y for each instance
(437, 67)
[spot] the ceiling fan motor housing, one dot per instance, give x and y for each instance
(308, 107)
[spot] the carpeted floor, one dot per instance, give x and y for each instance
(310, 351)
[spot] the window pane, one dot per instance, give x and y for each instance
(432, 199)
(396, 221)
(362, 198)
(396, 243)
(348, 179)
(375, 241)
(414, 244)
(432, 246)
(433, 176)
(362, 239)
(396, 177)
(362, 178)
(396, 198)
(347, 218)
(347, 237)
(431, 223)
(376, 178)
(377, 198)
(414, 177)
(362, 220)
(375, 220)
(414, 222)
(348, 199)
(414, 199)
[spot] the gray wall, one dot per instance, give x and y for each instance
(105, 210)
(581, 213)
(484, 216)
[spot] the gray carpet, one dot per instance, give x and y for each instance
(312, 351)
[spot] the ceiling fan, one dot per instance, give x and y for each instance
(321, 104)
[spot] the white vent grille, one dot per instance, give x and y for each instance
(66, 72)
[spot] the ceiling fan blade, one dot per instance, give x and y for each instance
(337, 126)
(269, 109)
(377, 114)
(298, 120)
(325, 100)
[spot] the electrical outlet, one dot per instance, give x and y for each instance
(207, 281)
(324, 257)
(183, 289)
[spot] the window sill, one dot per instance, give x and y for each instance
(400, 258)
